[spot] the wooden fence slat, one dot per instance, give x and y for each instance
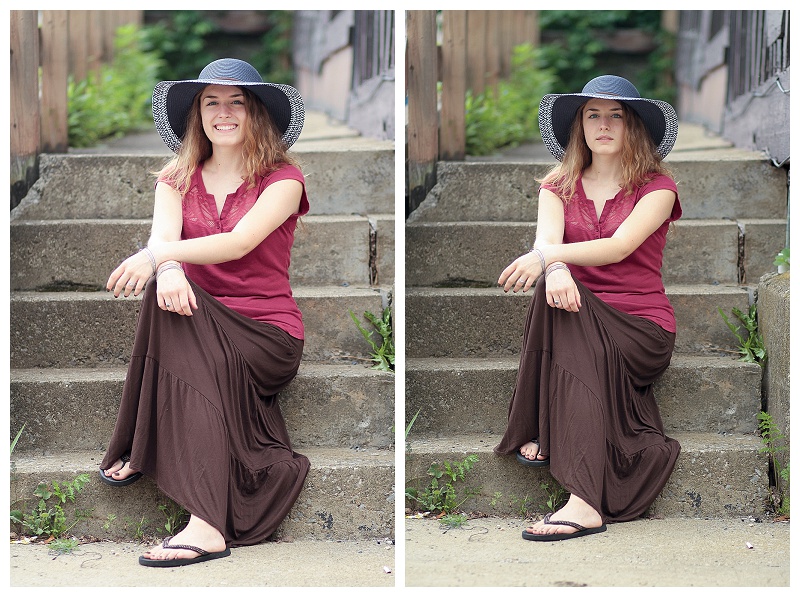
(55, 43)
(493, 61)
(24, 104)
(78, 44)
(452, 138)
(423, 133)
(476, 50)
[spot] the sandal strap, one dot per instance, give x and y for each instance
(565, 523)
(166, 545)
(125, 458)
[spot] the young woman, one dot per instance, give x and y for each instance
(219, 333)
(600, 329)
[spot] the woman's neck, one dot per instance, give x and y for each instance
(225, 160)
(604, 169)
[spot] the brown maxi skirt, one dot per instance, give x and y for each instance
(584, 390)
(200, 416)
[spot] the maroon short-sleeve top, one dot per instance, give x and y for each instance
(257, 285)
(634, 285)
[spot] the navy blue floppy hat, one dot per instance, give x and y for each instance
(557, 111)
(172, 100)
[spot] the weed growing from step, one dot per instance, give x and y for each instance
(177, 518)
(770, 438)
(383, 354)
(48, 518)
(441, 494)
(556, 496)
(751, 346)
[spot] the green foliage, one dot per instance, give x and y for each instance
(441, 494)
(62, 546)
(556, 496)
(577, 56)
(453, 521)
(274, 60)
(782, 258)
(48, 517)
(176, 517)
(383, 354)
(508, 115)
(182, 42)
(751, 347)
(772, 445)
(117, 98)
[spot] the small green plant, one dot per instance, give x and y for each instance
(16, 439)
(383, 354)
(110, 519)
(751, 346)
(441, 494)
(771, 437)
(176, 517)
(48, 517)
(453, 521)
(556, 496)
(782, 259)
(62, 546)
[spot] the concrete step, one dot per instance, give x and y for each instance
(726, 184)
(325, 406)
(121, 186)
(696, 393)
(697, 251)
(91, 329)
(348, 494)
(328, 250)
(716, 476)
(486, 322)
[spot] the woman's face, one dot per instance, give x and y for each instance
(224, 115)
(603, 126)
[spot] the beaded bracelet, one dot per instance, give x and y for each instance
(540, 255)
(554, 266)
(165, 267)
(152, 258)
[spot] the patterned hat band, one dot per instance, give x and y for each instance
(172, 100)
(557, 112)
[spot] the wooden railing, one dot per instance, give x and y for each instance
(475, 53)
(62, 43)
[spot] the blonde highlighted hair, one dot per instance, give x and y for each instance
(263, 149)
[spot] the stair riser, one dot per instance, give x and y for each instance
(698, 252)
(102, 186)
(64, 330)
(338, 502)
(324, 406)
(705, 483)
(490, 324)
(327, 251)
(480, 191)
(690, 397)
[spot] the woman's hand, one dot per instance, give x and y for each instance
(174, 292)
(561, 291)
(521, 274)
(131, 275)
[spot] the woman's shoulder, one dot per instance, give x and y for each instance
(658, 181)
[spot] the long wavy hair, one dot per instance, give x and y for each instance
(641, 162)
(263, 149)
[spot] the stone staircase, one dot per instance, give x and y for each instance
(463, 334)
(71, 340)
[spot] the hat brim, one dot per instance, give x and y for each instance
(557, 111)
(172, 101)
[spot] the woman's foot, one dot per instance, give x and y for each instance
(198, 533)
(530, 451)
(575, 510)
(119, 471)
